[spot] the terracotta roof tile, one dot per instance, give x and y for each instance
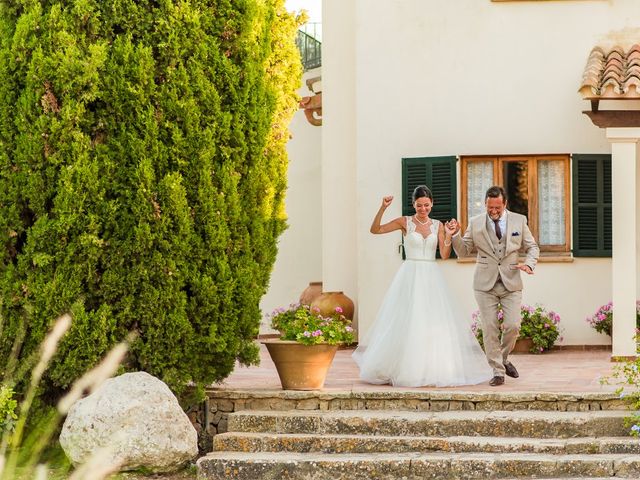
(611, 74)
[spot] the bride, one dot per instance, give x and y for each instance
(419, 337)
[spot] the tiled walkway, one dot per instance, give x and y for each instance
(557, 371)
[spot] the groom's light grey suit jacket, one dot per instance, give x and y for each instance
(489, 261)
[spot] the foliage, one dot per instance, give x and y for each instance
(143, 173)
(629, 373)
(25, 454)
(602, 320)
(8, 405)
(306, 325)
(537, 324)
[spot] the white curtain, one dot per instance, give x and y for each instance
(551, 183)
(479, 179)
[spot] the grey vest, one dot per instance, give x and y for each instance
(498, 245)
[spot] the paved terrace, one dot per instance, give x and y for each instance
(569, 371)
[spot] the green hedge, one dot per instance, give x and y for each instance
(143, 171)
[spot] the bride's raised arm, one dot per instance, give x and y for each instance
(393, 225)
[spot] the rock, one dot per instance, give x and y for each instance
(137, 419)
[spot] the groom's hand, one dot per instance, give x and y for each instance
(452, 227)
(526, 269)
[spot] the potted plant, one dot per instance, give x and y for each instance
(602, 320)
(307, 344)
(538, 331)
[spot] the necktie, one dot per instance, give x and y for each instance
(498, 231)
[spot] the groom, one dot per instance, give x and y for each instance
(498, 236)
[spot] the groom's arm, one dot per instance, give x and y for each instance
(463, 244)
(530, 247)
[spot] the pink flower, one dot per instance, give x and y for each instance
(317, 333)
(338, 309)
(348, 329)
(315, 309)
(306, 333)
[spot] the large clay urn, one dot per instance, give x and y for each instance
(301, 367)
(310, 293)
(328, 301)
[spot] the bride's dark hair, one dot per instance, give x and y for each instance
(422, 191)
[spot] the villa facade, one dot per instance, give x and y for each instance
(462, 95)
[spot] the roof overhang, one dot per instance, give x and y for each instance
(613, 74)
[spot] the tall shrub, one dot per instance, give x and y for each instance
(142, 175)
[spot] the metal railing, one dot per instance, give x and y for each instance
(310, 46)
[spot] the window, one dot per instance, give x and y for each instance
(537, 187)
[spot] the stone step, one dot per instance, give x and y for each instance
(304, 443)
(210, 417)
(534, 424)
(225, 400)
(467, 466)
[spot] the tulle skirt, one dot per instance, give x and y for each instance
(419, 337)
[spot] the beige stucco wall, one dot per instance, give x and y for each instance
(299, 260)
(437, 77)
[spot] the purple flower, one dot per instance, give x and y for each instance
(306, 333)
(348, 329)
(317, 333)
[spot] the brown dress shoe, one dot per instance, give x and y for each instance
(496, 381)
(511, 370)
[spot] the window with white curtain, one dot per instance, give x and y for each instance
(537, 187)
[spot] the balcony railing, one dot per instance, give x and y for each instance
(310, 46)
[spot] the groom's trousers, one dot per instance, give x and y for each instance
(498, 344)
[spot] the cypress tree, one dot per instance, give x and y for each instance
(143, 172)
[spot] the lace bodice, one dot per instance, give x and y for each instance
(416, 246)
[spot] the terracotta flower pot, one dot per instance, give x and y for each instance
(523, 345)
(310, 293)
(301, 367)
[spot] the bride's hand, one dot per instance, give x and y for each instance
(451, 227)
(386, 201)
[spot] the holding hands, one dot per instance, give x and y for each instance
(451, 227)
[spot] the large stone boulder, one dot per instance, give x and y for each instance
(136, 420)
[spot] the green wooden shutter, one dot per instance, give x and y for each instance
(591, 205)
(437, 173)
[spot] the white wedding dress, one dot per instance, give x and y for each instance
(420, 337)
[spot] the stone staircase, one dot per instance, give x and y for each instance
(415, 435)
